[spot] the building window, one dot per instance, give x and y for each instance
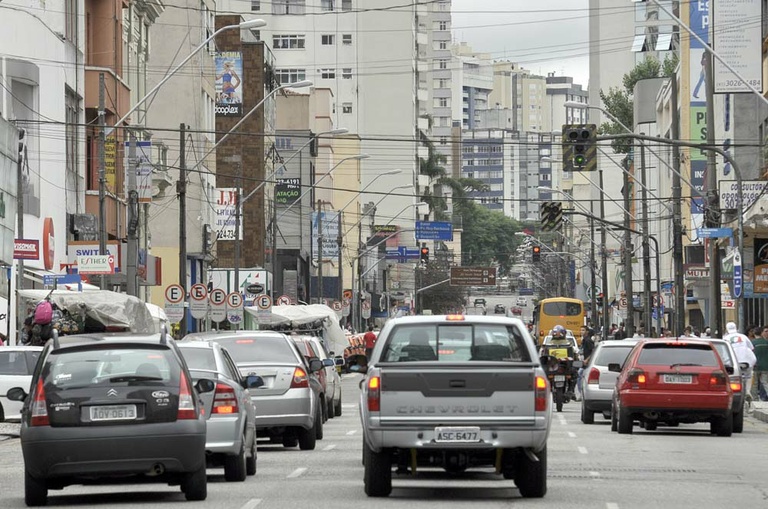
(346, 107)
(327, 5)
(70, 30)
(443, 45)
(443, 140)
(346, 39)
(442, 64)
(442, 26)
(72, 102)
(327, 74)
(468, 149)
(443, 6)
(288, 6)
(346, 5)
(327, 40)
(255, 5)
(290, 75)
(209, 26)
(288, 42)
(346, 73)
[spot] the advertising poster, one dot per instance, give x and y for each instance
(738, 40)
(143, 169)
(225, 210)
(760, 282)
(330, 232)
(287, 191)
(699, 22)
(229, 78)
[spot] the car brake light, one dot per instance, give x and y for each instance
(594, 376)
(300, 379)
(736, 386)
(224, 400)
(717, 378)
(186, 403)
(39, 408)
(541, 393)
(457, 318)
(374, 394)
(635, 377)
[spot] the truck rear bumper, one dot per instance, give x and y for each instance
(424, 438)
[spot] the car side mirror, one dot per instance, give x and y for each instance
(744, 366)
(16, 394)
(205, 385)
(328, 363)
(253, 382)
(339, 361)
(729, 370)
(615, 367)
(315, 365)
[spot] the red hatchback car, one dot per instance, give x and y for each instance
(672, 381)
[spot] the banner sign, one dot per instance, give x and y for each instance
(699, 19)
(760, 281)
(143, 169)
(229, 95)
(737, 37)
(224, 214)
(330, 233)
(751, 190)
(287, 191)
(26, 249)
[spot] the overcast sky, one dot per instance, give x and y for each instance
(542, 35)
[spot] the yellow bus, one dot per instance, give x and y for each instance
(569, 313)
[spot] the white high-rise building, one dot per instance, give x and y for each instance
(472, 80)
(517, 89)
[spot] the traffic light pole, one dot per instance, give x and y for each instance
(603, 258)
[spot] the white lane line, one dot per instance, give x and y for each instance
(298, 472)
(611, 505)
(349, 406)
(351, 432)
(571, 434)
(329, 447)
(251, 503)
(582, 450)
(594, 474)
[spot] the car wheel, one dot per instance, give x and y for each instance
(250, 463)
(587, 416)
(308, 437)
(35, 491)
(531, 476)
(378, 472)
(624, 422)
(319, 428)
(738, 422)
(722, 426)
(614, 420)
(234, 466)
(2, 413)
(329, 410)
(195, 484)
(337, 406)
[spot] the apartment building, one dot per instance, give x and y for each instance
(516, 89)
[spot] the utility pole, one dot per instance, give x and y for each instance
(320, 251)
(339, 242)
(238, 212)
(274, 247)
(603, 259)
(629, 321)
(20, 227)
(133, 220)
(646, 247)
(712, 212)
(181, 189)
(677, 219)
(102, 174)
(593, 276)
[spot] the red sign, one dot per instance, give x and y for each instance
(25, 249)
(49, 243)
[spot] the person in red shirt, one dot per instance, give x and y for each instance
(370, 341)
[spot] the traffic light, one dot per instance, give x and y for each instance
(579, 147)
(536, 253)
(551, 215)
(424, 254)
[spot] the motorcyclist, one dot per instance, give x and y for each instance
(562, 349)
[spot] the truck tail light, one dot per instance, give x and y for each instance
(39, 408)
(541, 394)
(374, 394)
(594, 376)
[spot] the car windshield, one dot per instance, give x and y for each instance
(456, 343)
(16, 363)
(69, 369)
(259, 349)
(199, 358)
(677, 353)
(612, 355)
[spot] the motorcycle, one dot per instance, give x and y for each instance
(562, 374)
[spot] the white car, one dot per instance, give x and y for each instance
(521, 302)
(16, 366)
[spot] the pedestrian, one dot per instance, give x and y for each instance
(639, 333)
(760, 387)
(370, 341)
(587, 347)
(688, 332)
(620, 333)
(743, 348)
(707, 333)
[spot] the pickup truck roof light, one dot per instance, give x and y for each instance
(454, 318)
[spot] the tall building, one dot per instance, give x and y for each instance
(472, 80)
(517, 89)
(562, 90)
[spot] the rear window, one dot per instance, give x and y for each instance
(456, 343)
(670, 354)
(259, 349)
(561, 309)
(18, 363)
(724, 352)
(199, 358)
(613, 355)
(79, 368)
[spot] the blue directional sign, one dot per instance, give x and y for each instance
(434, 230)
(737, 278)
(402, 254)
(61, 279)
(711, 233)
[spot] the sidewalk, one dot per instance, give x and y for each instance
(761, 410)
(9, 430)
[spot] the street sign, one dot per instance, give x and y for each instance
(737, 278)
(366, 309)
(337, 307)
(61, 279)
(711, 233)
(198, 301)
(263, 304)
(402, 254)
(218, 300)
(254, 288)
(434, 230)
(174, 303)
(347, 294)
(473, 276)
(235, 308)
(284, 300)
(96, 264)
(697, 272)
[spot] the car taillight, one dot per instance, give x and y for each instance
(717, 378)
(39, 409)
(735, 386)
(594, 376)
(374, 394)
(186, 403)
(224, 400)
(300, 379)
(636, 378)
(541, 393)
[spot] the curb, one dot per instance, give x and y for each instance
(761, 415)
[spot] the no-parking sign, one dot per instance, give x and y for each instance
(198, 301)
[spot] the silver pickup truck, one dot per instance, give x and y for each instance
(455, 392)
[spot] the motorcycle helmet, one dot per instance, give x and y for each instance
(558, 332)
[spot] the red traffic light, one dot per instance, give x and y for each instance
(536, 249)
(424, 250)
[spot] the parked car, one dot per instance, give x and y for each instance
(108, 408)
(287, 409)
(231, 418)
(598, 382)
(16, 366)
(330, 363)
(735, 371)
(499, 309)
(672, 381)
(318, 381)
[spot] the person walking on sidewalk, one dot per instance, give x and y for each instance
(370, 341)
(760, 386)
(743, 348)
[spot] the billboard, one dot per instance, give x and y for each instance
(330, 231)
(287, 191)
(699, 18)
(737, 37)
(229, 94)
(143, 169)
(224, 214)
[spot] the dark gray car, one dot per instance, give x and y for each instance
(107, 408)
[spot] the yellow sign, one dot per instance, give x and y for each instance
(110, 161)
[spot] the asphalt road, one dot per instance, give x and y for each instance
(589, 467)
(508, 300)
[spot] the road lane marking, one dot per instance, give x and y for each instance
(351, 432)
(594, 474)
(296, 473)
(582, 450)
(329, 447)
(611, 505)
(351, 407)
(571, 434)
(251, 503)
